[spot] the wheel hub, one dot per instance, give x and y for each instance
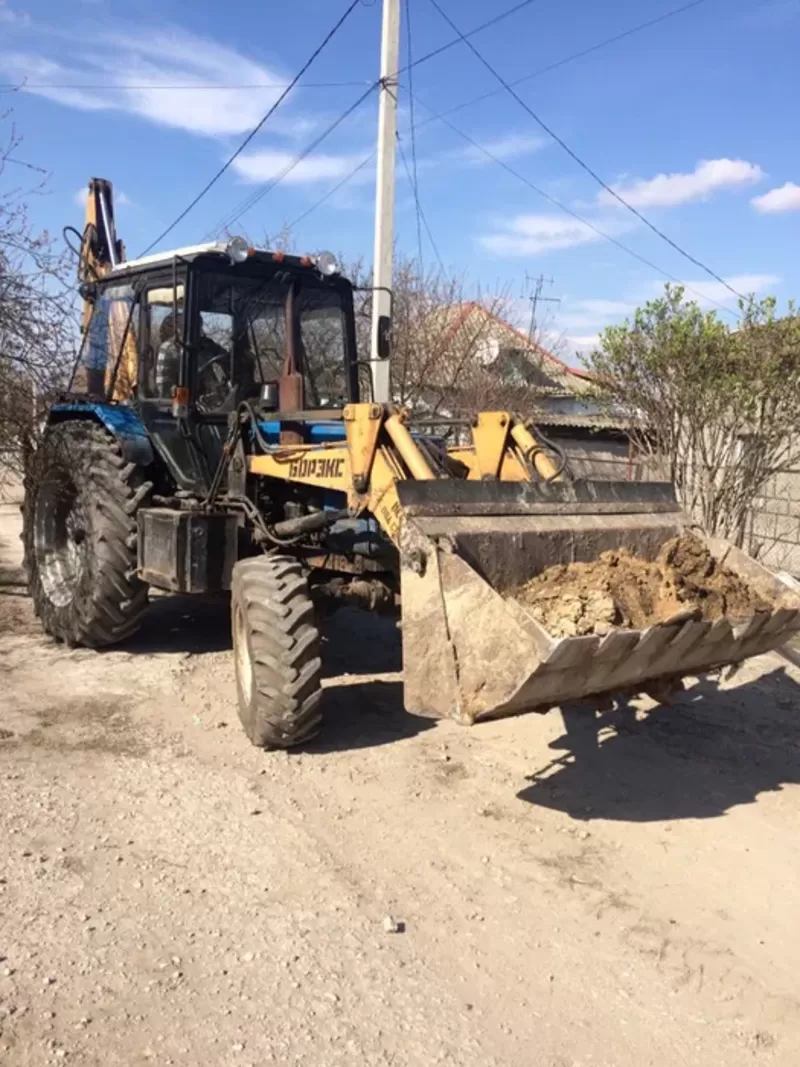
(60, 533)
(242, 659)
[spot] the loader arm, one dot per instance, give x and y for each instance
(380, 451)
(474, 524)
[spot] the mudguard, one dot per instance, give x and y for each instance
(121, 421)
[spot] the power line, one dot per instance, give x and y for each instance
(568, 210)
(471, 33)
(256, 197)
(332, 191)
(584, 166)
(271, 85)
(580, 54)
(209, 87)
(420, 213)
(259, 194)
(495, 92)
(415, 181)
(328, 37)
(212, 87)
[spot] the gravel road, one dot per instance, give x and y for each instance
(550, 891)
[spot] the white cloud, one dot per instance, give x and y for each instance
(531, 235)
(707, 293)
(582, 342)
(509, 146)
(603, 309)
(584, 318)
(80, 196)
(777, 201)
(263, 166)
(669, 190)
(125, 61)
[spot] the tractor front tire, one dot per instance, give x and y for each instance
(276, 650)
(80, 534)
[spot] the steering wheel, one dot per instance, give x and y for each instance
(218, 390)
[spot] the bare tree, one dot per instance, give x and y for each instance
(38, 321)
(714, 408)
(445, 343)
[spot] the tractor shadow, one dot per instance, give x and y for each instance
(361, 656)
(362, 665)
(183, 624)
(712, 750)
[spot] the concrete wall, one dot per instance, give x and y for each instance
(606, 459)
(775, 524)
(773, 533)
(10, 479)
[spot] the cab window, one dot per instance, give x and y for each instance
(162, 341)
(242, 341)
(108, 355)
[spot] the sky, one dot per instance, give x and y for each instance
(692, 121)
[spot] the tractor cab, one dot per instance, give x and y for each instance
(184, 338)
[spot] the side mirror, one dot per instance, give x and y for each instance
(384, 331)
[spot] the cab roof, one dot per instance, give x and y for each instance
(216, 248)
(158, 259)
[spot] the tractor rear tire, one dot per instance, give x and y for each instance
(80, 536)
(276, 648)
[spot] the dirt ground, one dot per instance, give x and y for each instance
(567, 890)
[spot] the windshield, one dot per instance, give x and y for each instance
(242, 335)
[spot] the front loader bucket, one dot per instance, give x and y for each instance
(471, 652)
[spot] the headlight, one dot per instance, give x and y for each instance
(326, 263)
(238, 249)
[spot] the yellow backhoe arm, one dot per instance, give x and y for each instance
(100, 251)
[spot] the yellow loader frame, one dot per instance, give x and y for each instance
(380, 450)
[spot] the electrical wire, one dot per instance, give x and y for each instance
(211, 87)
(584, 166)
(108, 87)
(257, 196)
(332, 191)
(421, 219)
(471, 33)
(328, 37)
(415, 181)
(580, 54)
(495, 92)
(568, 210)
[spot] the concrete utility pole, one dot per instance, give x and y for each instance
(384, 202)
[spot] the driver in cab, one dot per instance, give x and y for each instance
(221, 381)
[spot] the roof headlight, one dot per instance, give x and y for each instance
(326, 263)
(238, 249)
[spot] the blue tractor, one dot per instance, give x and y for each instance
(214, 438)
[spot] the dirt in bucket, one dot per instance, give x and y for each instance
(619, 590)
